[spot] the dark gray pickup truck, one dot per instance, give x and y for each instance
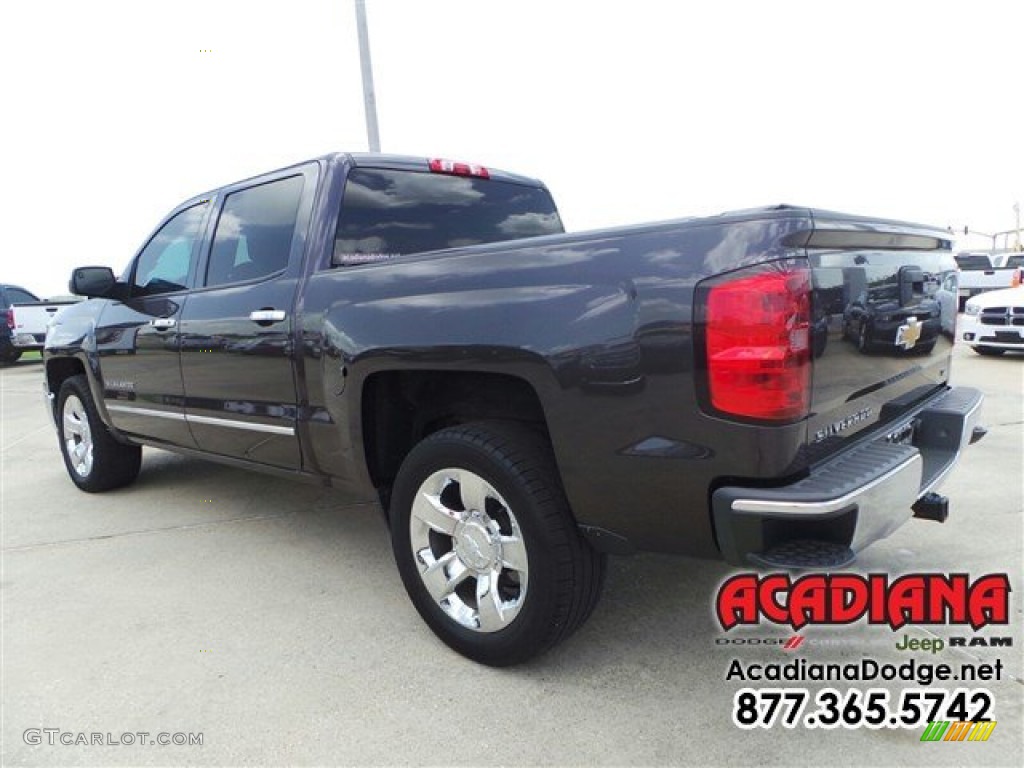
(521, 402)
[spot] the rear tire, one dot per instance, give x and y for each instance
(989, 351)
(94, 459)
(10, 356)
(486, 546)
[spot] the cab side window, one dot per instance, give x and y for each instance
(166, 261)
(254, 232)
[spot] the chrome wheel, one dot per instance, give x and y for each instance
(77, 436)
(486, 544)
(468, 550)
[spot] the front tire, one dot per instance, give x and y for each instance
(486, 546)
(94, 459)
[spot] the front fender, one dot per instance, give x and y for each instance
(71, 349)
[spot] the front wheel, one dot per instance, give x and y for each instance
(486, 546)
(94, 459)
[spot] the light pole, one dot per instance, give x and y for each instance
(369, 99)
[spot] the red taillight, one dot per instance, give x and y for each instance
(10, 317)
(452, 168)
(758, 340)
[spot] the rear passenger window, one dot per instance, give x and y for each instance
(254, 232)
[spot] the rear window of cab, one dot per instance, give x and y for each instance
(389, 213)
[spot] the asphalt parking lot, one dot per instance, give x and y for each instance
(270, 620)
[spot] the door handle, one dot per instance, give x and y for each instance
(267, 316)
(163, 323)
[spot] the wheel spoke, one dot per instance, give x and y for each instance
(489, 608)
(429, 509)
(513, 553)
(443, 575)
(473, 491)
(78, 444)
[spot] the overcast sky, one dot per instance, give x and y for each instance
(114, 112)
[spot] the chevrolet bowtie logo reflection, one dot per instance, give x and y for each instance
(908, 333)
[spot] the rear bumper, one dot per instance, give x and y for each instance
(29, 340)
(857, 497)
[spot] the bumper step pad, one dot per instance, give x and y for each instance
(802, 555)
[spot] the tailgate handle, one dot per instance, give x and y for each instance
(911, 283)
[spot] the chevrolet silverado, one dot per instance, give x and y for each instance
(521, 402)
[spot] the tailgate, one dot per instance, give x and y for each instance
(883, 314)
(33, 318)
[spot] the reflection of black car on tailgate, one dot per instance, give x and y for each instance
(893, 317)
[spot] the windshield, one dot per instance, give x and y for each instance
(388, 213)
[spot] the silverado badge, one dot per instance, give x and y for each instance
(833, 429)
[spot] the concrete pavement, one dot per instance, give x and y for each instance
(270, 620)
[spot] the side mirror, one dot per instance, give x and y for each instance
(93, 282)
(911, 283)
